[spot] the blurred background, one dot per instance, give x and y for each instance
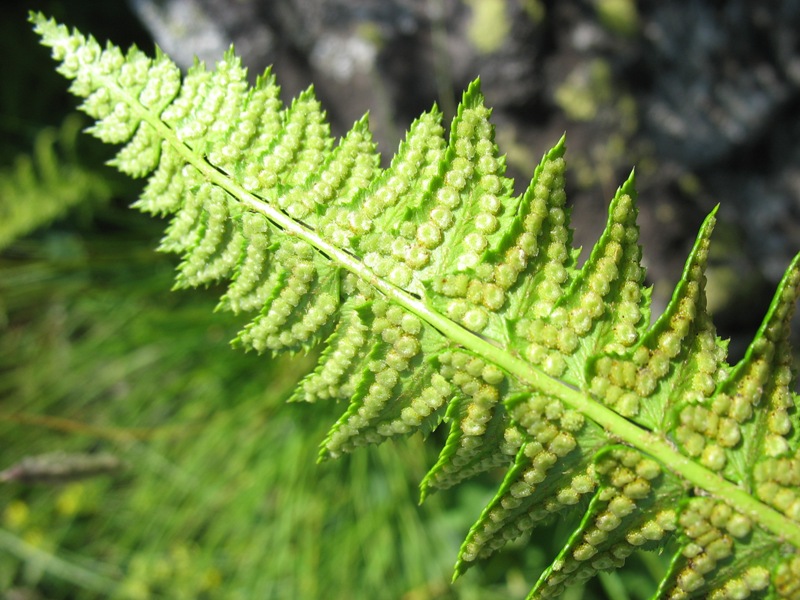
(143, 458)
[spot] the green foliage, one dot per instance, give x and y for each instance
(45, 186)
(442, 297)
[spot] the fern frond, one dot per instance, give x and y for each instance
(444, 297)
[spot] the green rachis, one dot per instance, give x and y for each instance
(444, 300)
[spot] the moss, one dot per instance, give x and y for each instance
(619, 16)
(535, 9)
(489, 26)
(584, 90)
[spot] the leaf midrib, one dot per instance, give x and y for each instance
(647, 442)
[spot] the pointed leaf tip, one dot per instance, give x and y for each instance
(473, 95)
(629, 186)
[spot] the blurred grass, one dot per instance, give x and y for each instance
(221, 496)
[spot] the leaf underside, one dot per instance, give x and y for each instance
(444, 300)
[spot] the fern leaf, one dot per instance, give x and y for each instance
(442, 297)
